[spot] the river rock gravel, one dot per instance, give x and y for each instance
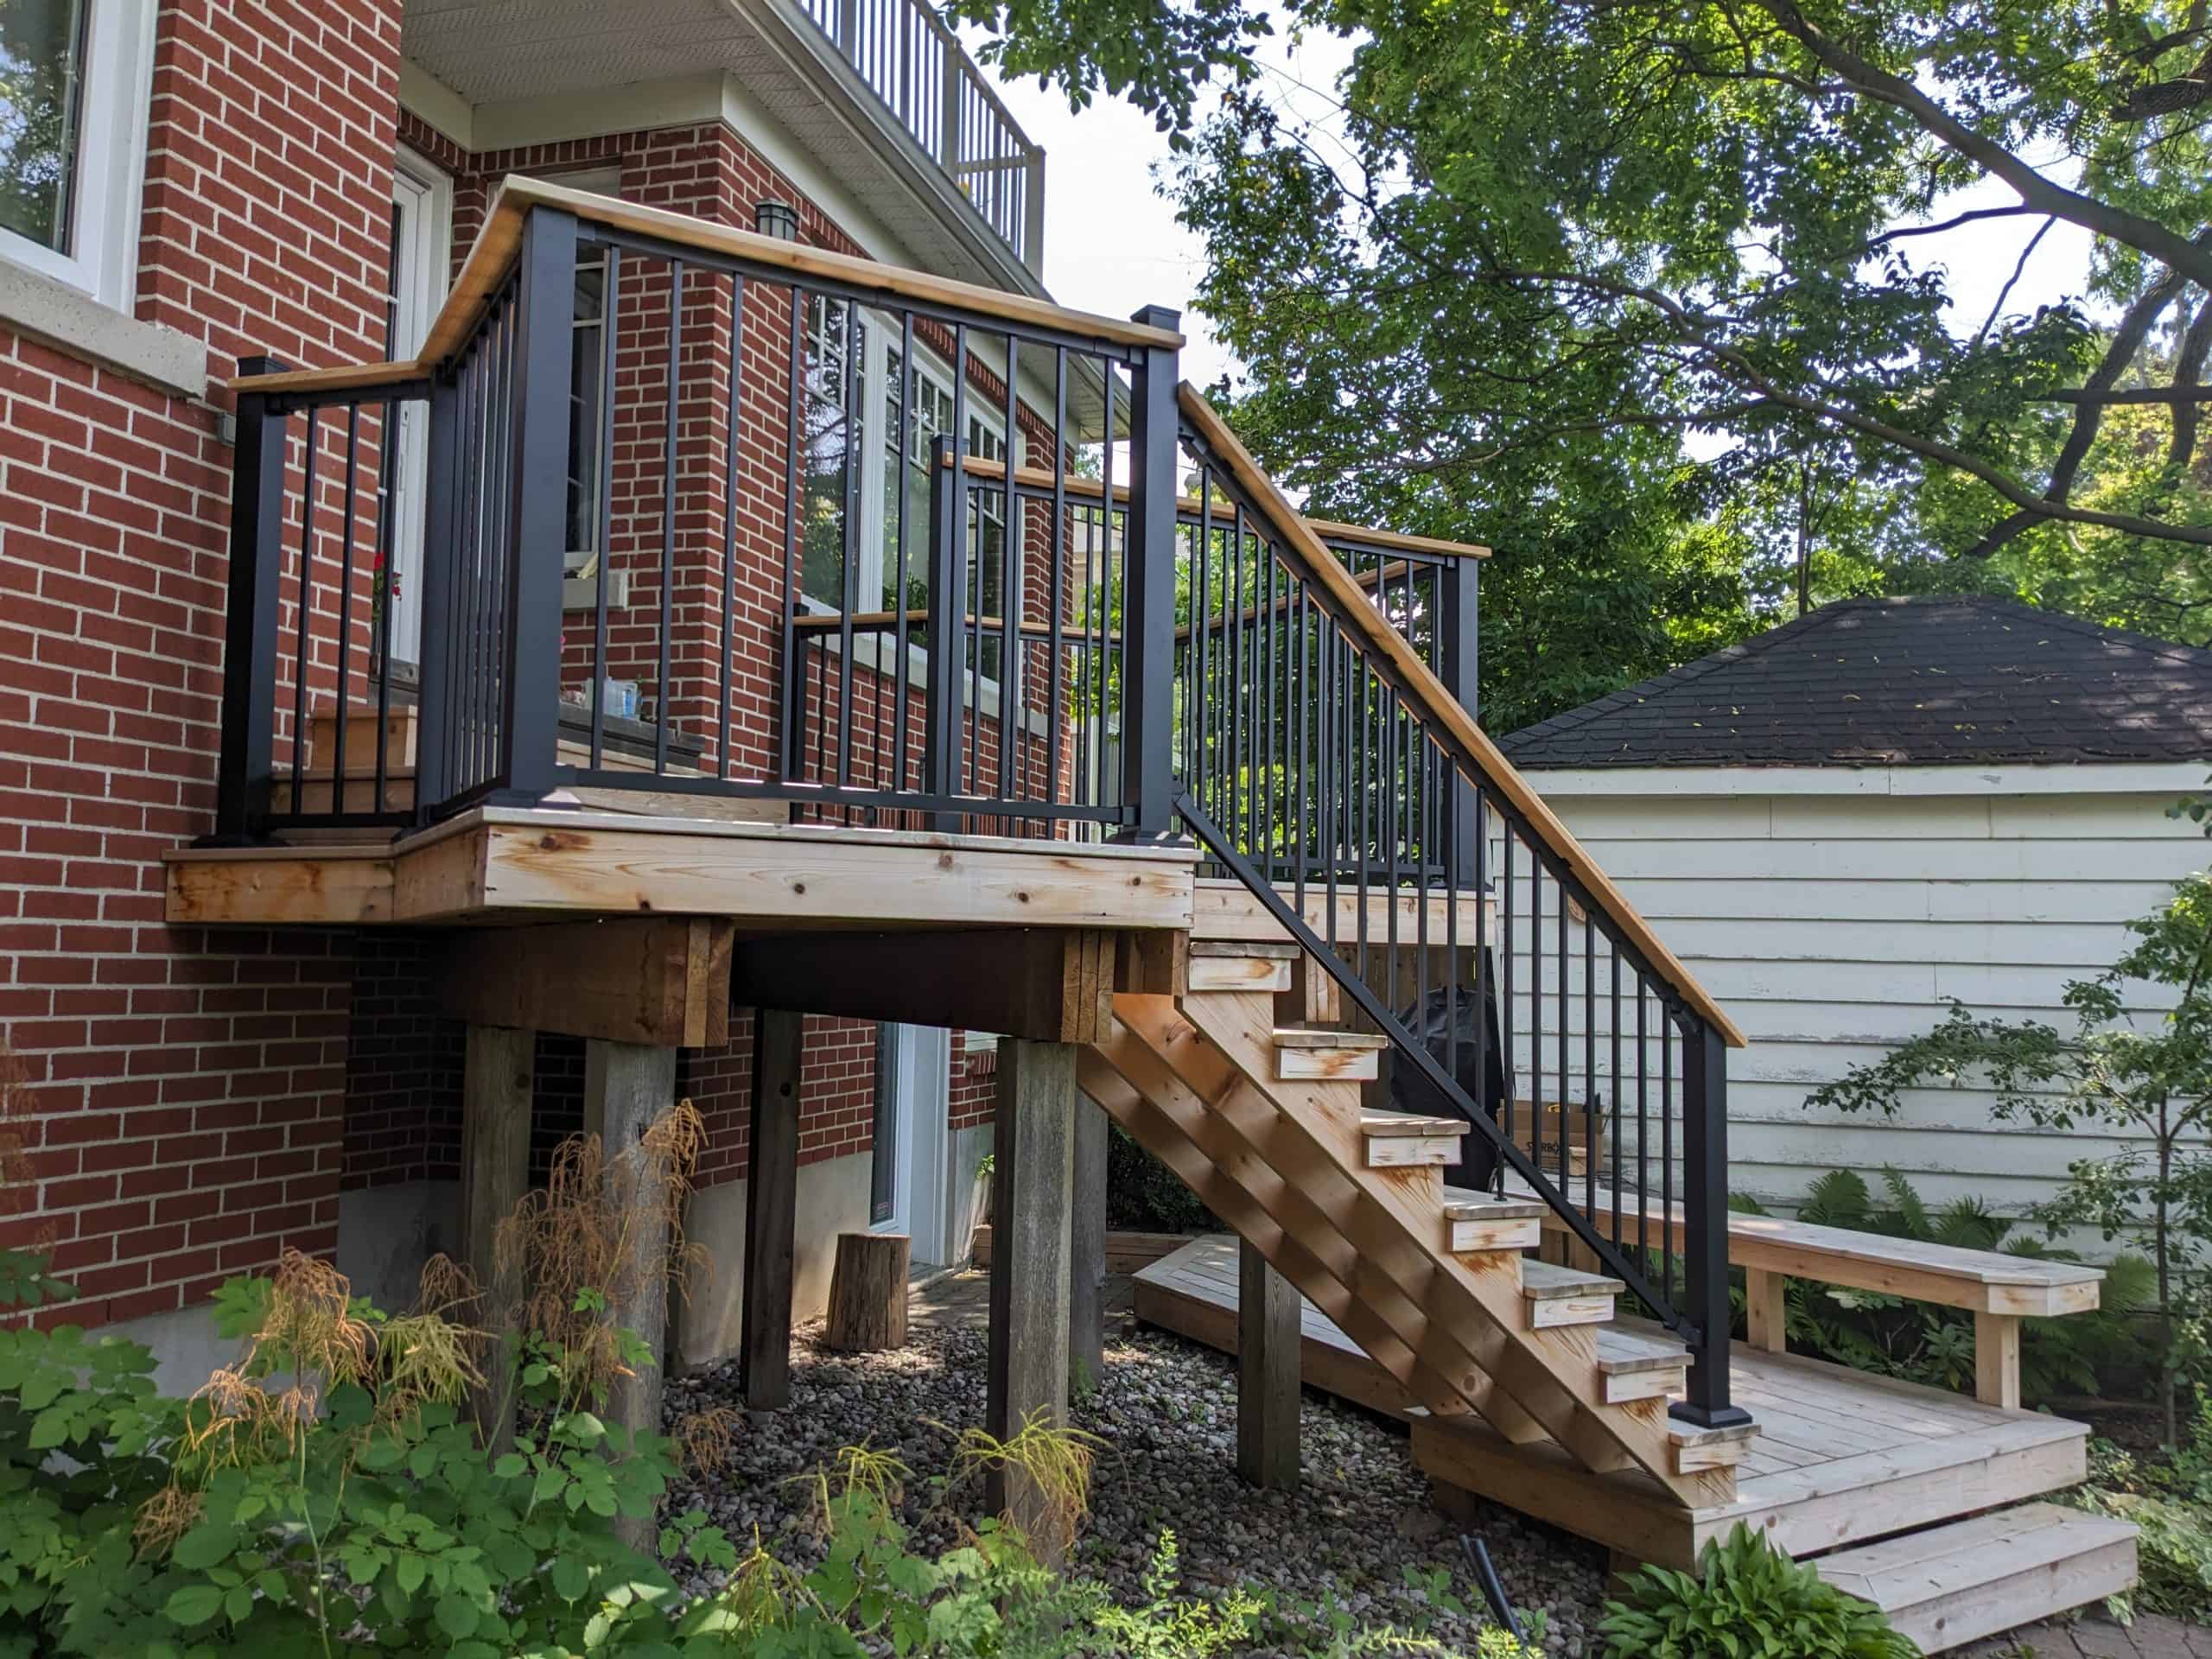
(1165, 1410)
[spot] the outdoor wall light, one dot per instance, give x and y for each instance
(777, 219)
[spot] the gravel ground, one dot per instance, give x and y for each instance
(1166, 1412)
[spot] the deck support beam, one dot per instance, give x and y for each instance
(770, 1210)
(1031, 1195)
(627, 1087)
(1268, 1352)
(1087, 1250)
(499, 1077)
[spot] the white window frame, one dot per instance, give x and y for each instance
(581, 567)
(425, 273)
(110, 179)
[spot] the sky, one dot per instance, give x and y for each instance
(1111, 242)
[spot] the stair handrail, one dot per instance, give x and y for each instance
(1702, 1319)
(1476, 753)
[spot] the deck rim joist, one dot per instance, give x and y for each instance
(497, 865)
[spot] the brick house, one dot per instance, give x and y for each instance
(233, 180)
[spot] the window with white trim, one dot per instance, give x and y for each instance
(75, 90)
(853, 453)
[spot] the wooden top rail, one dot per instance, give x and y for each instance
(493, 253)
(1036, 479)
(1454, 724)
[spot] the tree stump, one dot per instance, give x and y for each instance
(868, 1293)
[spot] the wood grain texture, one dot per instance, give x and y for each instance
(1269, 1348)
(498, 1076)
(770, 1210)
(1046, 984)
(868, 1293)
(662, 982)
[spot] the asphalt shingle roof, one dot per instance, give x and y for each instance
(1902, 682)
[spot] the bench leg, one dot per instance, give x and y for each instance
(1765, 1306)
(1997, 1360)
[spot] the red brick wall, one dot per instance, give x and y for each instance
(185, 1085)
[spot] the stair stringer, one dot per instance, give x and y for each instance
(1140, 1092)
(1476, 1308)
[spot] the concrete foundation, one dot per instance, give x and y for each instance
(833, 1198)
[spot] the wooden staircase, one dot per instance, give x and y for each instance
(1265, 1123)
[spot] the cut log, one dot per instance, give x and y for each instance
(868, 1293)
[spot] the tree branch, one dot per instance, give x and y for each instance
(2188, 370)
(2036, 192)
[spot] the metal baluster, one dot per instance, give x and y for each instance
(609, 313)
(666, 703)
(344, 706)
(729, 509)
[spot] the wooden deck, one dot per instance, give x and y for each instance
(1840, 1457)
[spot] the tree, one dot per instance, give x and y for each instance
(1555, 263)
(2147, 1083)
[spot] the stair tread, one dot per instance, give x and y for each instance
(1461, 1205)
(1620, 1353)
(1408, 1124)
(1272, 952)
(1941, 1560)
(1306, 1036)
(1540, 1281)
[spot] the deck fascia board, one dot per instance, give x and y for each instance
(494, 866)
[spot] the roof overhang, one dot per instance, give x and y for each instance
(2171, 779)
(532, 72)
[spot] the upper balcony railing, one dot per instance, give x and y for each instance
(917, 66)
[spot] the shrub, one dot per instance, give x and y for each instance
(1143, 1192)
(1750, 1602)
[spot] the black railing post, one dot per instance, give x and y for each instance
(245, 769)
(440, 544)
(1148, 589)
(1704, 1223)
(943, 719)
(545, 301)
(1457, 623)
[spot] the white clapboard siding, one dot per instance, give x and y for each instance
(1835, 913)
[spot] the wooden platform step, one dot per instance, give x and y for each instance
(1636, 1367)
(1709, 1448)
(1400, 1140)
(1241, 965)
(1303, 1054)
(1475, 1222)
(1560, 1296)
(1956, 1584)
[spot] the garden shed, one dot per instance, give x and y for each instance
(1854, 819)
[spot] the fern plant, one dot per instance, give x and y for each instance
(1748, 1601)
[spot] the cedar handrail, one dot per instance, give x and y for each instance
(491, 256)
(1469, 746)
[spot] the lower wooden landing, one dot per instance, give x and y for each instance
(1842, 1456)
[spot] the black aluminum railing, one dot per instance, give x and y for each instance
(814, 575)
(832, 466)
(1319, 765)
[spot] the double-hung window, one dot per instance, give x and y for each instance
(76, 88)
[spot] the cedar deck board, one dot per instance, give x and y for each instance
(1903, 1457)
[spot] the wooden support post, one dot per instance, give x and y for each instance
(626, 1087)
(1033, 1152)
(1267, 1373)
(771, 1212)
(1765, 1304)
(1997, 1359)
(1087, 1250)
(496, 1089)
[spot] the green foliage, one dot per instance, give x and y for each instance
(1871, 1331)
(326, 1494)
(2145, 1081)
(2170, 1504)
(1633, 294)
(1142, 1193)
(1747, 1601)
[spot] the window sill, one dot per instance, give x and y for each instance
(581, 593)
(77, 323)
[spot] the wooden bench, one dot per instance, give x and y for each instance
(1998, 1290)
